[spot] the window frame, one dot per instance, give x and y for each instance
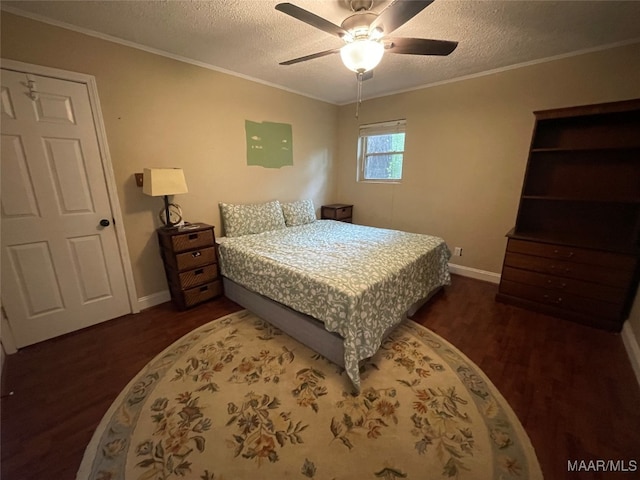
(373, 129)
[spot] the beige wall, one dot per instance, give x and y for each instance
(160, 112)
(466, 149)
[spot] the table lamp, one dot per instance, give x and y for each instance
(164, 182)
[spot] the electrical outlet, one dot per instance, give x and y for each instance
(457, 251)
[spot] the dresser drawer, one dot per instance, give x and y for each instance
(337, 212)
(192, 259)
(563, 268)
(344, 212)
(566, 285)
(578, 255)
(564, 301)
(198, 276)
(202, 293)
(188, 240)
(193, 296)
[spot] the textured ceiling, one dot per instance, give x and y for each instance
(250, 38)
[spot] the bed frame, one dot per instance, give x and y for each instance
(304, 328)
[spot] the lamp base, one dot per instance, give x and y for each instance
(171, 215)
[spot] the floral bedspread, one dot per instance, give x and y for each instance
(359, 281)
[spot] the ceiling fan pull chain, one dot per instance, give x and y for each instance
(359, 94)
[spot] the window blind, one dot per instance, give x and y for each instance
(394, 126)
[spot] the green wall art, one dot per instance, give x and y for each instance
(269, 144)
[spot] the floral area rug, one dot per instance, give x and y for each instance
(238, 399)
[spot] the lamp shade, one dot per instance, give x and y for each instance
(163, 181)
(362, 55)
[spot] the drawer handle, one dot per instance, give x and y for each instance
(204, 289)
(200, 271)
(565, 269)
(193, 236)
(196, 254)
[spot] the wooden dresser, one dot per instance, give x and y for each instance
(574, 252)
(190, 263)
(337, 211)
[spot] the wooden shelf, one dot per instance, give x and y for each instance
(581, 193)
(596, 175)
(606, 244)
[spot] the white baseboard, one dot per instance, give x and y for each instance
(633, 349)
(154, 299)
(474, 273)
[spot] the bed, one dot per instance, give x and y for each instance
(337, 287)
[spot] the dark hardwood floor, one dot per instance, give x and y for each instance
(571, 386)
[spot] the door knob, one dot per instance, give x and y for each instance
(104, 222)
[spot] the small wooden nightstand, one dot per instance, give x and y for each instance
(190, 263)
(337, 211)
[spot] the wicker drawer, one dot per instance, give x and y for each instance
(193, 259)
(562, 285)
(202, 293)
(188, 240)
(196, 295)
(562, 268)
(578, 255)
(564, 301)
(198, 276)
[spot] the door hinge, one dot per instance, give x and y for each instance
(33, 88)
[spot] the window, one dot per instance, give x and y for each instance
(381, 151)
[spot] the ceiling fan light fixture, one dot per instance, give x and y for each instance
(362, 55)
(376, 34)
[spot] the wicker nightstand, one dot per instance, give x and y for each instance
(190, 263)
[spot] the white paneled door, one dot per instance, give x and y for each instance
(61, 265)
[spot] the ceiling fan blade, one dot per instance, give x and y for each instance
(419, 46)
(311, 19)
(398, 13)
(310, 57)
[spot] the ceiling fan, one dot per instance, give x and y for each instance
(366, 34)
